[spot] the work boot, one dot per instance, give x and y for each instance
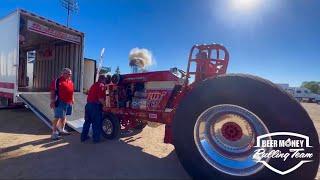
(83, 139)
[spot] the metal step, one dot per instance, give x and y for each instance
(39, 103)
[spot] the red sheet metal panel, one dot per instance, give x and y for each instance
(150, 76)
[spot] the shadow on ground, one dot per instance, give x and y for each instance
(68, 158)
(72, 159)
(21, 121)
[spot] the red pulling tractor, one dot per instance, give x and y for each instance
(211, 118)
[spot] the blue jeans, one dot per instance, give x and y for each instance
(93, 115)
(62, 110)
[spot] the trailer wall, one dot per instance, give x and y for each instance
(65, 44)
(9, 48)
(65, 55)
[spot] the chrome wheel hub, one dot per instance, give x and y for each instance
(225, 136)
(107, 126)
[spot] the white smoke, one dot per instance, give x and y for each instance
(141, 58)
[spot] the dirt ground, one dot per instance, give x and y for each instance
(26, 151)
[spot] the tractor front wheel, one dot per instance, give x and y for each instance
(217, 125)
(110, 126)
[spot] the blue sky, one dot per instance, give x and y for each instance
(275, 39)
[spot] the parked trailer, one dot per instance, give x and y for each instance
(53, 47)
(301, 93)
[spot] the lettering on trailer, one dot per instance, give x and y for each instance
(44, 30)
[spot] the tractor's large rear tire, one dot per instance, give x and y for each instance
(233, 98)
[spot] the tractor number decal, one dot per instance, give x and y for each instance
(155, 98)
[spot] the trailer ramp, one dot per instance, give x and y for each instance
(39, 103)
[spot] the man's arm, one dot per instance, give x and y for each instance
(73, 93)
(102, 95)
(102, 101)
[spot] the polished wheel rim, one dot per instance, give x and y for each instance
(225, 136)
(107, 126)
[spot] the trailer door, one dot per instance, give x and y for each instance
(9, 54)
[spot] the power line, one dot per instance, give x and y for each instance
(71, 6)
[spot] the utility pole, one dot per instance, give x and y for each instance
(71, 6)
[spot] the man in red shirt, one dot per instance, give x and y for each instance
(96, 100)
(61, 101)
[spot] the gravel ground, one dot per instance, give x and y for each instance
(26, 151)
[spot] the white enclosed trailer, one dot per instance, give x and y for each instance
(53, 47)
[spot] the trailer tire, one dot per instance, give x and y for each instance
(311, 100)
(278, 111)
(110, 126)
(4, 102)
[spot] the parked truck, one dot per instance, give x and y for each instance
(33, 43)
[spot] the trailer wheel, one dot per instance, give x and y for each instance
(311, 100)
(110, 126)
(216, 127)
(4, 102)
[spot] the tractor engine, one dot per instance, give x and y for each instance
(145, 98)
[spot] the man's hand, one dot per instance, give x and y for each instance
(72, 102)
(52, 105)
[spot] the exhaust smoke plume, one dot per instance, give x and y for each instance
(141, 58)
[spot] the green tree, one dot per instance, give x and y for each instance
(313, 86)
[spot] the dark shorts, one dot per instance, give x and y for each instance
(62, 110)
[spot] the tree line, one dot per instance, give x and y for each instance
(313, 86)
